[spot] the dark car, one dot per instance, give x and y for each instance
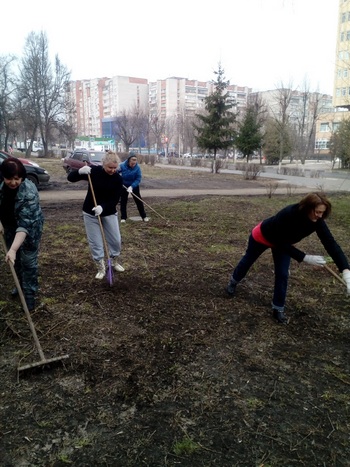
(78, 158)
(35, 173)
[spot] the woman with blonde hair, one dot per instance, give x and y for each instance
(107, 186)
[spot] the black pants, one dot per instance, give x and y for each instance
(138, 202)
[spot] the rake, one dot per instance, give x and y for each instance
(150, 207)
(340, 279)
(43, 359)
(109, 274)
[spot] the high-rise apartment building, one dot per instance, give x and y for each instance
(104, 98)
(99, 101)
(341, 94)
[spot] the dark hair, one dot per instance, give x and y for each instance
(312, 200)
(13, 167)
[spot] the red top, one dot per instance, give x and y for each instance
(258, 236)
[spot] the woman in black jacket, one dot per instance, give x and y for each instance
(107, 185)
(280, 232)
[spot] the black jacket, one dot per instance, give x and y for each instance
(107, 189)
(290, 225)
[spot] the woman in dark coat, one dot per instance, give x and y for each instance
(280, 233)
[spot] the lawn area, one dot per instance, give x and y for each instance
(164, 369)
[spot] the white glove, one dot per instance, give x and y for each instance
(314, 260)
(346, 277)
(98, 210)
(129, 189)
(85, 170)
(2, 231)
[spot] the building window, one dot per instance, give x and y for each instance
(336, 126)
(342, 36)
(324, 126)
(343, 91)
(337, 92)
(343, 17)
(345, 73)
(321, 144)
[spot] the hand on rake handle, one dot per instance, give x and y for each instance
(10, 256)
(346, 277)
(97, 210)
(129, 189)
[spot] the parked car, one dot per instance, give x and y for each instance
(79, 157)
(35, 173)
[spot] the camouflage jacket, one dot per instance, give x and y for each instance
(28, 214)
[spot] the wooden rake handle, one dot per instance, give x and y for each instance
(99, 217)
(340, 279)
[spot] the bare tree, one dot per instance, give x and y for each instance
(7, 101)
(156, 129)
(281, 116)
(42, 89)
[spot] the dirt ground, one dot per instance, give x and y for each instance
(164, 369)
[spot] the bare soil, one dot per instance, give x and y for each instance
(164, 369)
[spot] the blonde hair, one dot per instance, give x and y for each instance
(111, 157)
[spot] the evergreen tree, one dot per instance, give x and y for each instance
(249, 137)
(215, 129)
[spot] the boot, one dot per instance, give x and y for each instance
(30, 301)
(231, 289)
(116, 266)
(101, 269)
(279, 316)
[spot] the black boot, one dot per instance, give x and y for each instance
(279, 316)
(231, 289)
(30, 301)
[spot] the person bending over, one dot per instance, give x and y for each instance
(280, 233)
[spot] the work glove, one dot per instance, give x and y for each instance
(2, 231)
(129, 189)
(98, 210)
(346, 277)
(314, 260)
(85, 170)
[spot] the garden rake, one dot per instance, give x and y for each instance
(150, 207)
(43, 360)
(109, 274)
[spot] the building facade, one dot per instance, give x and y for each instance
(341, 94)
(105, 98)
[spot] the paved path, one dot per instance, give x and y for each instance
(328, 181)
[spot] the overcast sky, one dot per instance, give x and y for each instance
(260, 43)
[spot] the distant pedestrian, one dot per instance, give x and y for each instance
(107, 186)
(131, 175)
(21, 223)
(280, 233)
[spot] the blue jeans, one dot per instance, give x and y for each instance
(281, 261)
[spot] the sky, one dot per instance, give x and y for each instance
(259, 43)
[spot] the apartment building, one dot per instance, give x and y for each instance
(98, 101)
(341, 94)
(180, 96)
(105, 98)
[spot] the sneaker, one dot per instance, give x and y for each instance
(231, 289)
(116, 266)
(145, 219)
(279, 316)
(101, 269)
(123, 221)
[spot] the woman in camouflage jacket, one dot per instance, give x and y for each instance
(21, 222)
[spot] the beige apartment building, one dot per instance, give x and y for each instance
(180, 96)
(100, 98)
(104, 98)
(341, 94)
